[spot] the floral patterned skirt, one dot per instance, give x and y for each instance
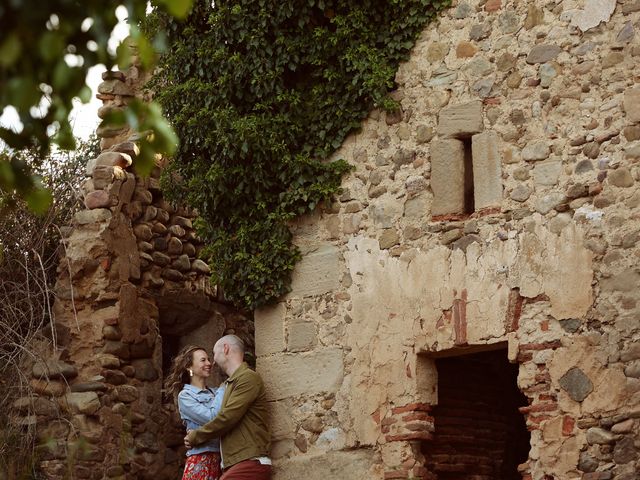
(202, 466)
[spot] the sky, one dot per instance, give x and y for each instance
(84, 117)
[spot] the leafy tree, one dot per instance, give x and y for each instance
(261, 93)
(46, 49)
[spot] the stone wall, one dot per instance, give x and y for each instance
(130, 293)
(500, 205)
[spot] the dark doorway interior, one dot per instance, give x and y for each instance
(469, 191)
(170, 349)
(479, 432)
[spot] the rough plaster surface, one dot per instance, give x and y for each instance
(594, 12)
(317, 272)
(548, 269)
(291, 375)
(352, 465)
(270, 329)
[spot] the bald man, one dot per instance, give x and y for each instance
(242, 423)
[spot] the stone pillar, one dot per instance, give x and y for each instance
(487, 171)
(447, 176)
(129, 274)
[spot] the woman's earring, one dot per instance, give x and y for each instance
(190, 373)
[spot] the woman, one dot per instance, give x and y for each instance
(197, 404)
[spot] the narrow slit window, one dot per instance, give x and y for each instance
(469, 191)
(466, 174)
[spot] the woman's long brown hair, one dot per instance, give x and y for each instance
(179, 375)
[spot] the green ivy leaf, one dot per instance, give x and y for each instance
(39, 199)
(85, 94)
(261, 94)
(10, 50)
(178, 8)
(64, 137)
(124, 53)
(7, 175)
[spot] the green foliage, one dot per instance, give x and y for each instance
(46, 50)
(261, 93)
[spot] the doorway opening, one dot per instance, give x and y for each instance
(479, 432)
(185, 318)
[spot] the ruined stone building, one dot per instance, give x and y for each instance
(467, 308)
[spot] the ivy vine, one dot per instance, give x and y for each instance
(261, 93)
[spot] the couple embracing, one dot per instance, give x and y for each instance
(227, 432)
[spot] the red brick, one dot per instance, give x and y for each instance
(408, 464)
(538, 418)
(539, 407)
(514, 311)
(376, 416)
(541, 387)
(541, 346)
(524, 357)
(547, 396)
(417, 416)
(408, 437)
(543, 377)
(492, 101)
(533, 421)
(423, 407)
(421, 472)
(568, 424)
(389, 421)
(105, 263)
(595, 475)
(487, 211)
(394, 474)
(492, 5)
(450, 217)
(542, 297)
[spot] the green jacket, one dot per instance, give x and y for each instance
(242, 423)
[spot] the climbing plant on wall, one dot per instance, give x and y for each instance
(260, 93)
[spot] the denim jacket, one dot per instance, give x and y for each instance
(198, 407)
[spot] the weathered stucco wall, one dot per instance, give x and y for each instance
(542, 101)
